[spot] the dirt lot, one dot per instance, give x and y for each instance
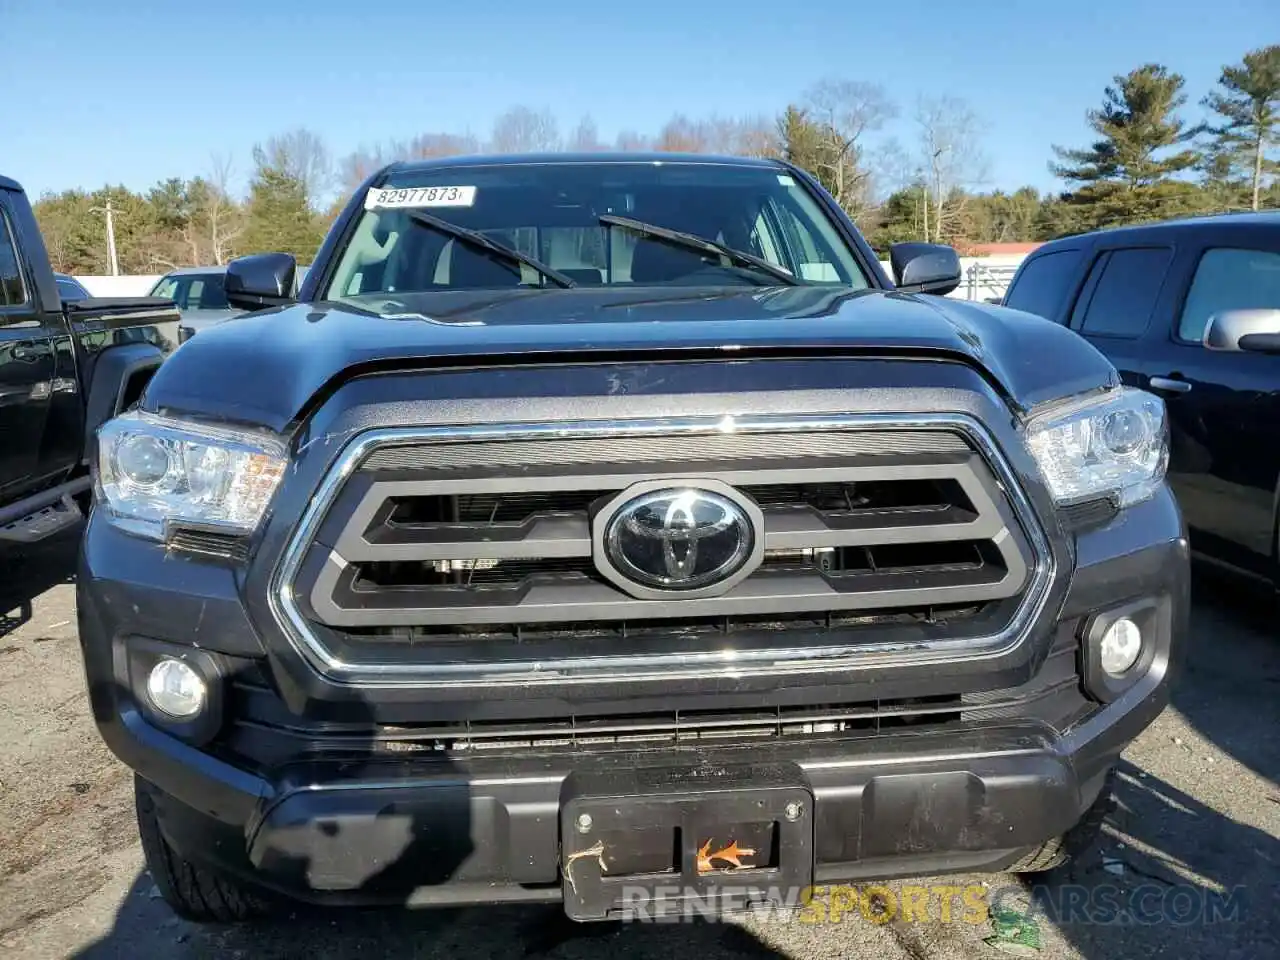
(1199, 813)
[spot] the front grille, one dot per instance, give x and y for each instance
(472, 555)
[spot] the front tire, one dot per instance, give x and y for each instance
(194, 892)
(1076, 842)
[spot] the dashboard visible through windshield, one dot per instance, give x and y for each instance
(590, 224)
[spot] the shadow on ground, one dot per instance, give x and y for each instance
(1175, 876)
(146, 927)
(1233, 672)
(27, 572)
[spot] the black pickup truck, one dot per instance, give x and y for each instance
(66, 366)
(1190, 310)
(611, 530)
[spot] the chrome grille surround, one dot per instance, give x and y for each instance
(1039, 572)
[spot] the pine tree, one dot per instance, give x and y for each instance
(1000, 217)
(1058, 218)
(1249, 105)
(801, 141)
(1129, 174)
(901, 217)
(74, 236)
(280, 219)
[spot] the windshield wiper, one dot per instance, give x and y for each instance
(691, 241)
(479, 241)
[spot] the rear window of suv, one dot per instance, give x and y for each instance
(1043, 283)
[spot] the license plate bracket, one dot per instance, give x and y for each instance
(653, 843)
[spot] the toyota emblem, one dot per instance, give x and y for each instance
(680, 539)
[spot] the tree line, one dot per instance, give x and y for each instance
(1147, 160)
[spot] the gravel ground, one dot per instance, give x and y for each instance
(1199, 818)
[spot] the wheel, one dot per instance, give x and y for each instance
(1077, 841)
(194, 892)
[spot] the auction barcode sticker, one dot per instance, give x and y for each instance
(390, 199)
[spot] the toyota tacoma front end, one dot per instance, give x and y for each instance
(622, 586)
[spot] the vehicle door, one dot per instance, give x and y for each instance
(1116, 304)
(27, 363)
(1224, 407)
(1045, 282)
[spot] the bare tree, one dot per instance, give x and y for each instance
(631, 140)
(426, 146)
(356, 167)
(756, 136)
(733, 136)
(683, 135)
(58, 245)
(892, 165)
(302, 155)
(585, 137)
(359, 165)
(524, 130)
(845, 111)
(223, 217)
(950, 158)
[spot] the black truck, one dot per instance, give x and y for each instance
(611, 530)
(1190, 310)
(67, 364)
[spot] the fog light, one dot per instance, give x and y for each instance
(176, 689)
(1120, 647)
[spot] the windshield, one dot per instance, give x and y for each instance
(567, 217)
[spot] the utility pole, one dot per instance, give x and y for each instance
(937, 201)
(924, 197)
(111, 237)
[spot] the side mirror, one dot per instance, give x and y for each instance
(924, 267)
(1257, 331)
(261, 280)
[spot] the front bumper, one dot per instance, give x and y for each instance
(351, 830)
(434, 832)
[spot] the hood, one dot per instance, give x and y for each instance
(264, 368)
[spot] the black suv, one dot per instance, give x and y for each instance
(611, 530)
(1190, 310)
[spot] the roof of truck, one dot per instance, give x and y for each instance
(507, 159)
(7, 184)
(1217, 221)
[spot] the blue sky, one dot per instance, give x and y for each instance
(132, 91)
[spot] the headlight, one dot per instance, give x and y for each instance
(1116, 445)
(153, 470)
